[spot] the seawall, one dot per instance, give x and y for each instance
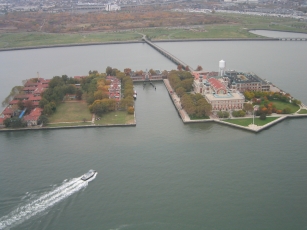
(252, 128)
(68, 127)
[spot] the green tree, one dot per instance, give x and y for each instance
(79, 94)
(286, 110)
(14, 122)
(180, 91)
(43, 119)
(109, 70)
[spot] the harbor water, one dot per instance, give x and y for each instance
(161, 174)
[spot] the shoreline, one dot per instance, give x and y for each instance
(135, 41)
(68, 127)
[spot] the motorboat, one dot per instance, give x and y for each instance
(88, 175)
(134, 94)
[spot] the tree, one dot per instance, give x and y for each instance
(43, 119)
(262, 116)
(286, 110)
(109, 70)
(127, 71)
(43, 102)
(14, 91)
(180, 91)
(130, 110)
(20, 104)
(199, 68)
(248, 107)
(79, 94)
(14, 122)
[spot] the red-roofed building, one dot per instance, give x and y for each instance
(114, 88)
(8, 111)
(33, 116)
(13, 102)
(218, 94)
(217, 85)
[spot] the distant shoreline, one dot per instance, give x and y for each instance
(137, 41)
(68, 127)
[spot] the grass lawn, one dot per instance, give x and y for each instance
(71, 112)
(69, 124)
(248, 121)
(10, 40)
(116, 117)
(281, 105)
(303, 111)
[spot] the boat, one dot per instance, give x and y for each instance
(134, 94)
(88, 175)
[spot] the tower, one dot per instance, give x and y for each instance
(222, 66)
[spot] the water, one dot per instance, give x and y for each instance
(161, 174)
(278, 34)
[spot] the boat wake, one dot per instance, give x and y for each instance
(45, 201)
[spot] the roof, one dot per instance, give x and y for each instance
(14, 102)
(34, 115)
(7, 111)
(216, 84)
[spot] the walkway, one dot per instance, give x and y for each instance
(168, 55)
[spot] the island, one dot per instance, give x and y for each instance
(242, 100)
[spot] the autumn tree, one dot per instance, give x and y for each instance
(248, 107)
(199, 68)
(127, 71)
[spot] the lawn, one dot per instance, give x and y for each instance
(69, 124)
(10, 40)
(71, 112)
(281, 105)
(116, 117)
(303, 111)
(248, 121)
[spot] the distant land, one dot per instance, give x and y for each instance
(25, 29)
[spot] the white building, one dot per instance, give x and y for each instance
(112, 7)
(217, 93)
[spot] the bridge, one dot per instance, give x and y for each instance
(292, 39)
(168, 55)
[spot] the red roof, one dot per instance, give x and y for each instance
(7, 111)
(22, 96)
(14, 102)
(34, 98)
(34, 115)
(216, 84)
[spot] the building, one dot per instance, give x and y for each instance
(114, 88)
(32, 117)
(246, 81)
(112, 7)
(217, 93)
(31, 91)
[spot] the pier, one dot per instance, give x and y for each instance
(292, 39)
(167, 54)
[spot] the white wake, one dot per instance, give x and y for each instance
(44, 202)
